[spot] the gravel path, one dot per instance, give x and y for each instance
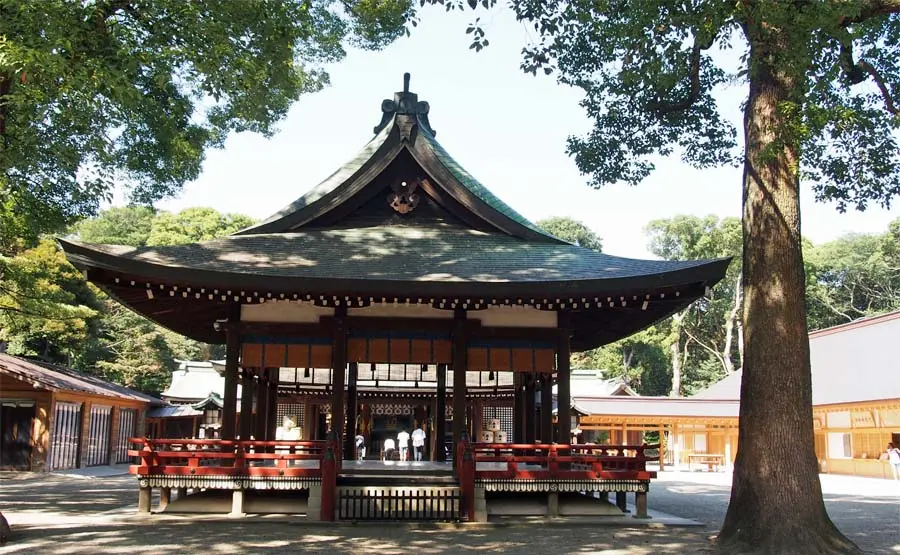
(64, 514)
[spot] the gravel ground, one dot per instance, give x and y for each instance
(65, 514)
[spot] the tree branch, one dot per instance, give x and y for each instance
(856, 72)
(873, 8)
(885, 93)
(662, 108)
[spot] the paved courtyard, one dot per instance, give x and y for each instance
(75, 514)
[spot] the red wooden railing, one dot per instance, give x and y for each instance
(565, 462)
(219, 457)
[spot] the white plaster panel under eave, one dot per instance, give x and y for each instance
(400, 310)
(515, 317)
(285, 311)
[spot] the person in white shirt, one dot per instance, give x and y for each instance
(388, 449)
(360, 447)
(894, 458)
(403, 444)
(418, 440)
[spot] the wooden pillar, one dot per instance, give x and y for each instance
(440, 413)
(262, 406)
(271, 384)
(547, 408)
(145, 496)
(676, 446)
(460, 366)
(246, 403)
(518, 407)
(339, 370)
(563, 396)
(529, 408)
(350, 433)
(662, 447)
(232, 352)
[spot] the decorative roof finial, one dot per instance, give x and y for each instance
(405, 103)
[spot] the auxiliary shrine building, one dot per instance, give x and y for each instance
(398, 292)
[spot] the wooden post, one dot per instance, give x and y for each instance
(460, 366)
(329, 469)
(640, 504)
(563, 396)
(246, 403)
(676, 446)
(466, 471)
(662, 447)
(529, 408)
(440, 413)
(350, 434)
(262, 406)
(339, 371)
(518, 407)
(547, 408)
(271, 404)
(232, 352)
(621, 501)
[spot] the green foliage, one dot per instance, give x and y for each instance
(572, 231)
(650, 78)
(47, 309)
(134, 92)
(127, 225)
(194, 225)
(137, 353)
(852, 277)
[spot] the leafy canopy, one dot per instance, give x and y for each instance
(651, 72)
(572, 231)
(102, 92)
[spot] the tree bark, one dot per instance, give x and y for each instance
(776, 497)
(676, 370)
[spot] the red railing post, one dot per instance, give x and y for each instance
(329, 468)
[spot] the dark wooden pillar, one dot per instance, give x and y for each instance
(246, 403)
(440, 413)
(529, 408)
(563, 395)
(262, 406)
(339, 371)
(350, 433)
(460, 366)
(232, 352)
(271, 385)
(518, 408)
(547, 408)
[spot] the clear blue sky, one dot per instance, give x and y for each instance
(508, 129)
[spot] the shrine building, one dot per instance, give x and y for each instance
(398, 293)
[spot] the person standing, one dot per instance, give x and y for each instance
(418, 441)
(360, 447)
(403, 444)
(893, 454)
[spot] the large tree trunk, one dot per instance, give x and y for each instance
(776, 497)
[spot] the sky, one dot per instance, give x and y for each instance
(508, 129)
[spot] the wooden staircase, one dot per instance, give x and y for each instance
(397, 494)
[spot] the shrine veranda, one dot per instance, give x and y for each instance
(397, 293)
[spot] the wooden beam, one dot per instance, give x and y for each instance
(529, 408)
(262, 397)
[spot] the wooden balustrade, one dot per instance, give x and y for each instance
(542, 461)
(218, 457)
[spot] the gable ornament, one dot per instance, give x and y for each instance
(403, 199)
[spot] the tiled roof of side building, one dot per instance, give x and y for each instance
(53, 377)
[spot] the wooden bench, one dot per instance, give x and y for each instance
(713, 461)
